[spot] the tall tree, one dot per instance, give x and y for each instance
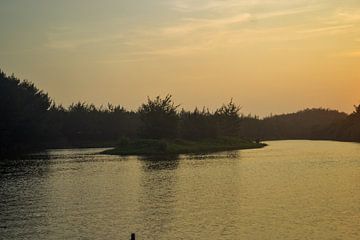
(159, 118)
(23, 109)
(228, 116)
(197, 124)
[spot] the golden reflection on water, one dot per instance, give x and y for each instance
(288, 190)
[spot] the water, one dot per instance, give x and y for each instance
(288, 190)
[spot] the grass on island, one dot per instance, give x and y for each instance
(180, 146)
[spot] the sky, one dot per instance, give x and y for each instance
(270, 56)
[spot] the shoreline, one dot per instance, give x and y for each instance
(180, 146)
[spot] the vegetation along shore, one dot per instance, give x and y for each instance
(31, 121)
(180, 146)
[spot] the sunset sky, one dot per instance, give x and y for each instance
(271, 56)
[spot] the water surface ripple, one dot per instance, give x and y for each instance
(288, 190)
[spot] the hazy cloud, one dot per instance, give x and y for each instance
(351, 54)
(189, 6)
(331, 29)
(63, 42)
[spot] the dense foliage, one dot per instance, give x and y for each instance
(347, 129)
(159, 118)
(305, 124)
(30, 120)
(86, 125)
(23, 110)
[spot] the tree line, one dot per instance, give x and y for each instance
(30, 120)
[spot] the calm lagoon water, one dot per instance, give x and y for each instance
(288, 190)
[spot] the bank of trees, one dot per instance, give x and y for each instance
(23, 115)
(305, 124)
(85, 125)
(160, 118)
(31, 120)
(347, 129)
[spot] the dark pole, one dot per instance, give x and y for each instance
(133, 236)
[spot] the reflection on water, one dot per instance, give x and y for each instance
(288, 190)
(158, 192)
(153, 163)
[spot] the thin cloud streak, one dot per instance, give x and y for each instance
(65, 43)
(193, 24)
(190, 6)
(349, 16)
(194, 35)
(331, 29)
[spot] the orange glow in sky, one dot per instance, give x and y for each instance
(270, 56)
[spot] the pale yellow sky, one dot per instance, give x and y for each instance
(271, 56)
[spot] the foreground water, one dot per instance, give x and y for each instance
(288, 190)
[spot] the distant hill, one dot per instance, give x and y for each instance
(347, 129)
(305, 124)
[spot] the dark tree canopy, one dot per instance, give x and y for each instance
(30, 121)
(357, 110)
(84, 124)
(228, 117)
(347, 129)
(23, 110)
(159, 118)
(197, 124)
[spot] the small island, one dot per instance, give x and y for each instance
(180, 146)
(165, 131)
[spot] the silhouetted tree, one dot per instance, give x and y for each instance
(305, 124)
(347, 129)
(23, 110)
(228, 117)
(87, 125)
(159, 118)
(197, 124)
(357, 110)
(251, 128)
(30, 120)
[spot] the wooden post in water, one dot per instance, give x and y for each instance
(132, 236)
